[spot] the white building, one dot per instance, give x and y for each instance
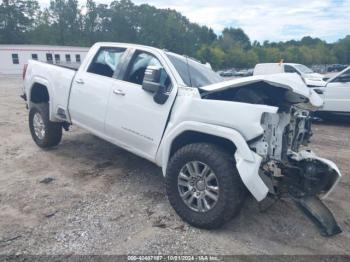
(14, 57)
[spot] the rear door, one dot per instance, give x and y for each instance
(91, 89)
(337, 93)
(134, 120)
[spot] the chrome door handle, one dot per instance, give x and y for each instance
(118, 92)
(79, 81)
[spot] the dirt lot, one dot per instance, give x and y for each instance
(104, 200)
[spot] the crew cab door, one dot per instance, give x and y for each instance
(337, 93)
(91, 88)
(134, 120)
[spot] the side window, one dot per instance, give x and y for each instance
(15, 59)
(106, 61)
(137, 68)
(35, 56)
(68, 58)
(77, 58)
(290, 69)
(49, 58)
(57, 58)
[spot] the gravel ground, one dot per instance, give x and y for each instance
(90, 197)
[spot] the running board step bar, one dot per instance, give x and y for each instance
(319, 214)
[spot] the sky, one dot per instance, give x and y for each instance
(274, 20)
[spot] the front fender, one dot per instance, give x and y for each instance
(247, 162)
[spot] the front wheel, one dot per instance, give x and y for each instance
(203, 185)
(44, 132)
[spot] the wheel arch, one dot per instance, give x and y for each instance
(190, 136)
(39, 93)
(190, 132)
(247, 162)
(37, 83)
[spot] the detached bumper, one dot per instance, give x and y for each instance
(311, 205)
(320, 215)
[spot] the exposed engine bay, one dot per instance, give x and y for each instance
(288, 167)
(286, 133)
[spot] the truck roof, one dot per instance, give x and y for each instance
(128, 45)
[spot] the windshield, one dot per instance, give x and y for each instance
(304, 69)
(193, 73)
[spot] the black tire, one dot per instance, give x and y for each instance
(53, 130)
(232, 191)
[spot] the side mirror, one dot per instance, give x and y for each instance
(151, 81)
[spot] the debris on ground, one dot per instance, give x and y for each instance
(47, 180)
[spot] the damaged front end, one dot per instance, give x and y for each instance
(288, 166)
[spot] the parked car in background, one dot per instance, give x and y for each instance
(233, 72)
(245, 72)
(336, 68)
(250, 71)
(227, 73)
(336, 94)
(241, 73)
(321, 69)
(311, 78)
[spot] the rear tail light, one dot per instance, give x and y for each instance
(24, 71)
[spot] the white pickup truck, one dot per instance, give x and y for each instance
(310, 77)
(215, 140)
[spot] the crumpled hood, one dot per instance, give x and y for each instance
(290, 82)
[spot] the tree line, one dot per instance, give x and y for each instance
(65, 22)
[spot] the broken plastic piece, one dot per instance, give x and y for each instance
(319, 214)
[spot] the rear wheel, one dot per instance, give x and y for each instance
(44, 132)
(203, 185)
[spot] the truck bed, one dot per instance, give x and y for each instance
(58, 79)
(72, 66)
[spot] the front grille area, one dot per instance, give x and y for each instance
(283, 132)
